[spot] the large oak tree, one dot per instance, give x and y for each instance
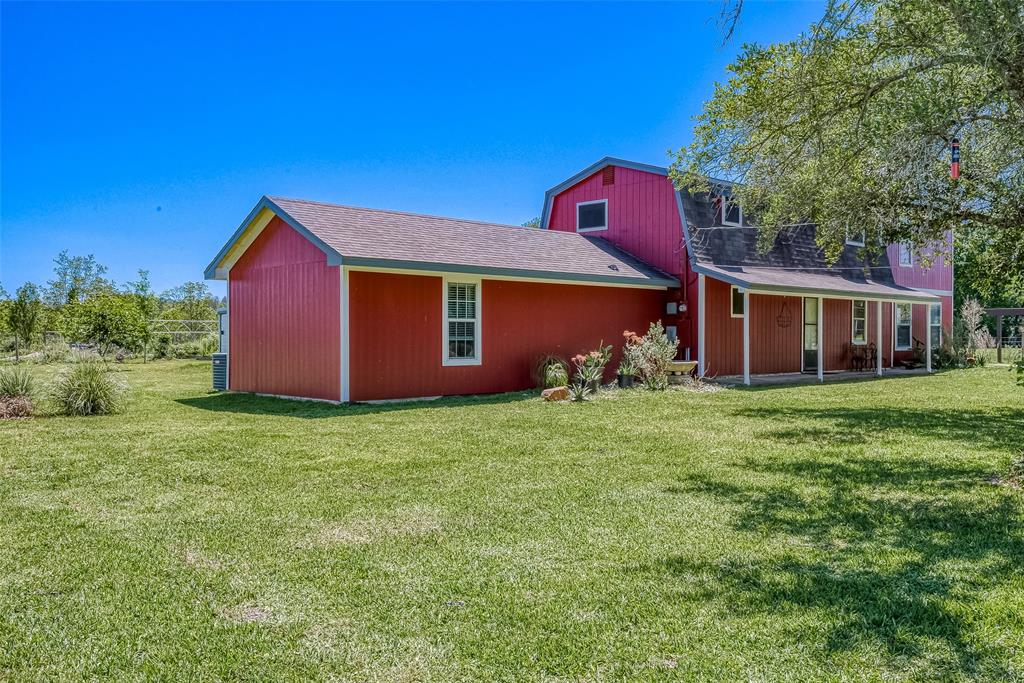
(850, 126)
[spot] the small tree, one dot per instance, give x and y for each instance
(191, 301)
(149, 304)
(109, 320)
(971, 314)
(23, 316)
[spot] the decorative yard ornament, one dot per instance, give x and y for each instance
(954, 166)
(784, 318)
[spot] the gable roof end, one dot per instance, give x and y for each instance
(549, 196)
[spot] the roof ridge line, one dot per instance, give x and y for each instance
(275, 198)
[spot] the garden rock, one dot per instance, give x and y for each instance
(555, 394)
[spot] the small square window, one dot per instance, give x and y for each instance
(592, 215)
(737, 302)
(856, 239)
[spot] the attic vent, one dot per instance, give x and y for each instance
(608, 175)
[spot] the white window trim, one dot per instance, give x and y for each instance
(938, 324)
(732, 313)
(725, 212)
(896, 325)
(899, 255)
(854, 319)
(595, 228)
(854, 242)
(478, 331)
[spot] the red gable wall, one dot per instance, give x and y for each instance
(285, 311)
(643, 216)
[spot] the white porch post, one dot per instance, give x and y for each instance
(821, 338)
(701, 352)
(746, 337)
(928, 338)
(878, 337)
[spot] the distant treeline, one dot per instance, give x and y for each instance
(84, 306)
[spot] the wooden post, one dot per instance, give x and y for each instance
(701, 347)
(999, 339)
(821, 339)
(746, 337)
(878, 337)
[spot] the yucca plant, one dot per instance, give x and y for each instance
(88, 388)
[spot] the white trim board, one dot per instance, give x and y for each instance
(497, 278)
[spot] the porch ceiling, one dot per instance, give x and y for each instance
(779, 281)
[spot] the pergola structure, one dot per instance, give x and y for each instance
(999, 314)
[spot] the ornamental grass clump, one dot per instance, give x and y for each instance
(88, 388)
(16, 389)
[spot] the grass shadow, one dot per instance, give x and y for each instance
(253, 404)
(993, 428)
(896, 553)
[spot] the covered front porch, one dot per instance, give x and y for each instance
(758, 326)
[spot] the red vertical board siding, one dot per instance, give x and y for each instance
(775, 346)
(396, 334)
(284, 305)
(643, 215)
(937, 276)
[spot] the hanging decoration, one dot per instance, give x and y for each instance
(954, 166)
(784, 318)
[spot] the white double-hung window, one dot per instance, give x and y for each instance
(859, 333)
(461, 329)
(935, 324)
(904, 316)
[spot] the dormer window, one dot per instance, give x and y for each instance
(727, 211)
(591, 216)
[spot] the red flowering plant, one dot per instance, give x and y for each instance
(590, 366)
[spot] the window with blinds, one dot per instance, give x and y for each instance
(462, 322)
(860, 322)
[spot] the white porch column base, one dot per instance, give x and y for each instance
(878, 337)
(928, 338)
(821, 339)
(701, 346)
(746, 338)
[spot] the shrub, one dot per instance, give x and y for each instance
(16, 388)
(88, 388)
(590, 366)
(651, 355)
(1017, 367)
(551, 371)
(15, 407)
(15, 382)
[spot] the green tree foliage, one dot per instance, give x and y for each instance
(23, 316)
(532, 223)
(190, 301)
(148, 303)
(75, 278)
(108, 320)
(850, 127)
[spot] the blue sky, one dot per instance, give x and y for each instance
(143, 133)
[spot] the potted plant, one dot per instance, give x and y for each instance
(627, 373)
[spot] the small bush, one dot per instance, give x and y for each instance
(550, 372)
(15, 407)
(579, 391)
(15, 382)
(88, 388)
(54, 352)
(651, 355)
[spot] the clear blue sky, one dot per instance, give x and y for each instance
(144, 133)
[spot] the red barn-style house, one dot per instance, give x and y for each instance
(349, 304)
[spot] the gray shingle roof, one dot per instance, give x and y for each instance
(795, 262)
(392, 239)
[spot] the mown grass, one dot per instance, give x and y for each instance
(846, 531)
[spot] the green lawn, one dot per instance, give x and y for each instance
(846, 531)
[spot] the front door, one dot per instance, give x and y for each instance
(810, 334)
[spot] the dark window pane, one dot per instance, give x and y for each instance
(737, 302)
(591, 215)
(732, 212)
